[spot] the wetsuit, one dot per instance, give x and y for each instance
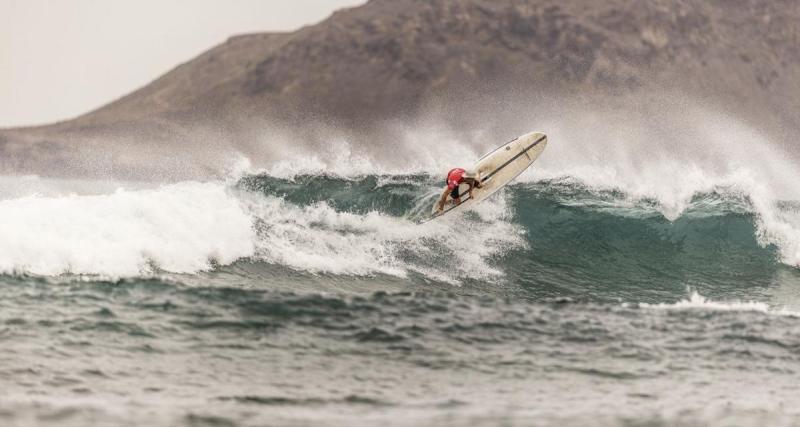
(454, 178)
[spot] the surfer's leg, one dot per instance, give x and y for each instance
(454, 196)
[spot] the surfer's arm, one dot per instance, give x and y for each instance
(443, 198)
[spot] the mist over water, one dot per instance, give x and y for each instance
(634, 264)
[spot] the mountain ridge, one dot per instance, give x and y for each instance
(469, 64)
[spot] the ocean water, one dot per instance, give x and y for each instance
(655, 286)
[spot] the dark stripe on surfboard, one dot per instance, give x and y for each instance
(525, 151)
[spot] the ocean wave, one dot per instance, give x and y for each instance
(773, 223)
(660, 163)
(182, 228)
(319, 238)
(370, 225)
(192, 227)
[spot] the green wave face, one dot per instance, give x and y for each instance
(395, 195)
(576, 241)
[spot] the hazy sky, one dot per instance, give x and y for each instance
(62, 58)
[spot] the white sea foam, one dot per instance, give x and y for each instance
(319, 239)
(699, 302)
(187, 227)
(178, 228)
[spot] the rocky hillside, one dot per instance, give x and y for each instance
(461, 62)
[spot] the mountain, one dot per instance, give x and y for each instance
(368, 72)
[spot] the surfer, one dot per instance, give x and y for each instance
(455, 178)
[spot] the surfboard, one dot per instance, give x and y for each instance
(496, 169)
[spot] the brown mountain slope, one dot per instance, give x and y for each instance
(466, 63)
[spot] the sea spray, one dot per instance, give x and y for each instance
(181, 228)
(320, 239)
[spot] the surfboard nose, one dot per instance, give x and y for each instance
(533, 136)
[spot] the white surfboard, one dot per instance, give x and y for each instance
(496, 169)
